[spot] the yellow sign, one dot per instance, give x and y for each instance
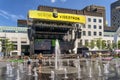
(33, 14)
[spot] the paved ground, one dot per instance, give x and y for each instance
(25, 76)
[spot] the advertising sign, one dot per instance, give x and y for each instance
(34, 14)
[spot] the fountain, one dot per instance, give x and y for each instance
(117, 66)
(93, 71)
(106, 69)
(90, 72)
(44, 62)
(87, 69)
(99, 71)
(35, 72)
(35, 78)
(96, 63)
(76, 63)
(116, 63)
(24, 64)
(79, 72)
(57, 56)
(59, 67)
(21, 68)
(7, 69)
(50, 63)
(12, 64)
(65, 72)
(52, 75)
(29, 70)
(87, 63)
(18, 75)
(10, 71)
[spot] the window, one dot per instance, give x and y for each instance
(100, 33)
(84, 26)
(100, 27)
(89, 33)
(89, 26)
(94, 20)
(95, 26)
(15, 47)
(84, 33)
(11, 31)
(14, 42)
(23, 42)
(89, 19)
(22, 31)
(100, 21)
(95, 33)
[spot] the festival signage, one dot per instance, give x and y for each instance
(34, 14)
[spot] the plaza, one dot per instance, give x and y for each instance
(55, 43)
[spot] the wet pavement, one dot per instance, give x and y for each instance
(85, 73)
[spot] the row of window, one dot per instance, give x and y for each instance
(21, 42)
(13, 31)
(94, 26)
(90, 33)
(86, 41)
(94, 20)
(109, 35)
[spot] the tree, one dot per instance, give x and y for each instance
(7, 46)
(104, 44)
(119, 44)
(92, 44)
(99, 43)
(109, 45)
(114, 45)
(86, 43)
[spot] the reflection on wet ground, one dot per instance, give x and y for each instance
(84, 70)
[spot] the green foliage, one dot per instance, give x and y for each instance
(92, 44)
(99, 43)
(7, 46)
(119, 44)
(114, 45)
(86, 43)
(16, 60)
(104, 44)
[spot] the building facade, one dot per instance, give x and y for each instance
(95, 21)
(18, 36)
(94, 28)
(115, 14)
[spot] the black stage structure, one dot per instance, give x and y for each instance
(42, 34)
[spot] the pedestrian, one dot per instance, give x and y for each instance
(40, 62)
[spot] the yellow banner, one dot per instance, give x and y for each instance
(34, 14)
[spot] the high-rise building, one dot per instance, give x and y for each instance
(115, 14)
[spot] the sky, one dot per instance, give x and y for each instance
(12, 10)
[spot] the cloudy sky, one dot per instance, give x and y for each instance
(11, 10)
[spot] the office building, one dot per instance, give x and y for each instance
(115, 14)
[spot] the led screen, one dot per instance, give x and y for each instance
(42, 44)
